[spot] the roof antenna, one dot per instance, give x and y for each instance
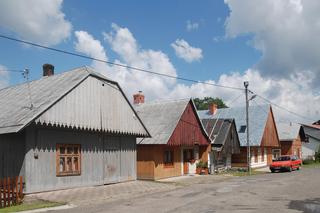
(25, 75)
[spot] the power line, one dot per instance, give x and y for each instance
(138, 69)
(20, 71)
(281, 107)
(116, 64)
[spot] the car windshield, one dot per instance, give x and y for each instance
(283, 158)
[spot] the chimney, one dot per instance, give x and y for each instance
(213, 108)
(48, 69)
(138, 98)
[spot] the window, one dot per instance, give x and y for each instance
(262, 155)
(275, 153)
(242, 129)
(68, 159)
(168, 158)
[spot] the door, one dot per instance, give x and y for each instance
(185, 162)
(111, 159)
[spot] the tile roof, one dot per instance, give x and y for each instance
(258, 115)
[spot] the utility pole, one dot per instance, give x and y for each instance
(246, 84)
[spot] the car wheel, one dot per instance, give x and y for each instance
(272, 170)
(290, 169)
(298, 168)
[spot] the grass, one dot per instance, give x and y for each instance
(30, 206)
(241, 173)
(312, 164)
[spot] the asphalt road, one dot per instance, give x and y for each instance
(298, 191)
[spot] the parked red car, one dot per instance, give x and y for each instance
(286, 162)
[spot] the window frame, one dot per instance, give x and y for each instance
(66, 156)
(242, 129)
(168, 164)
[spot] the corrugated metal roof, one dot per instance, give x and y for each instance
(160, 118)
(15, 101)
(258, 115)
(312, 131)
(288, 131)
(218, 129)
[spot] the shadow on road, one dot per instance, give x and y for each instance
(307, 206)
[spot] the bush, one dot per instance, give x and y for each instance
(317, 156)
(202, 164)
(306, 162)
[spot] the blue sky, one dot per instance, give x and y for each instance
(155, 25)
(272, 44)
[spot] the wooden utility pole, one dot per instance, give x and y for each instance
(246, 84)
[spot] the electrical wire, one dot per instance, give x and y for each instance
(117, 64)
(281, 107)
(142, 70)
(20, 71)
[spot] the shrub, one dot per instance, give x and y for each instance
(202, 164)
(306, 162)
(317, 156)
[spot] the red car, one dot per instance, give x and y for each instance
(286, 162)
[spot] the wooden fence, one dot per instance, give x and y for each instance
(11, 191)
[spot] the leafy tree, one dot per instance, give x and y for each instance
(203, 104)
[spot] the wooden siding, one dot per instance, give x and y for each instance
(188, 131)
(270, 136)
(292, 147)
(12, 151)
(150, 161)
(96, 158)
(94, 105)
(240, 160)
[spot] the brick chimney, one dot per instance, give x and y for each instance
(213, 108)
(48, 69)
(138, 98)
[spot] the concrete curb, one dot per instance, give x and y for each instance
(63, 207)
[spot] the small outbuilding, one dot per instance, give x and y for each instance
(312, 132)
(291, 136)
(178, 140)
(225, 142)
(68, 130)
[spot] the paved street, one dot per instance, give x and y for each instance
(298, 191)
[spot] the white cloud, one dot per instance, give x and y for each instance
(40, 21)
(185, 51)
(191, 26)
(4, 76)
(292, 93)
(124, 44)
(286, 32)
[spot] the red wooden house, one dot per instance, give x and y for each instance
(178, 140)
(291, 136)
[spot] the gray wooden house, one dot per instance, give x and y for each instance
(225, 142)
(68, 130)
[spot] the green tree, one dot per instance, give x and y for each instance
(203, 104)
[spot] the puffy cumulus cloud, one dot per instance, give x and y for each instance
(292, 93)
(185, 51)
(40, 21)
(191, 26)
(125, 45)
(4, 77)
(286, 32)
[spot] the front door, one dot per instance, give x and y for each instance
(187, 156)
